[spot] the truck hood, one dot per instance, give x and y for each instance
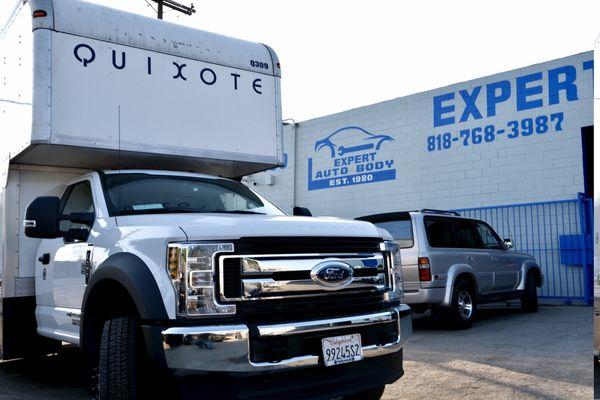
(235, 226)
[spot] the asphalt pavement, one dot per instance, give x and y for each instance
(505, 355)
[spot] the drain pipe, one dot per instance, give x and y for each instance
(290, 121)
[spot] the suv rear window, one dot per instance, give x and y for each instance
(440, 232)
(467, 235)
(398, 224)
(400, 230)
(453, 232)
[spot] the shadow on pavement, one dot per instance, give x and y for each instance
(549, 344)
(484, 313)
(61, 376)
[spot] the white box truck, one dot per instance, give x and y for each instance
(125, 230)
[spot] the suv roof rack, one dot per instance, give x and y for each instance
(432, 211)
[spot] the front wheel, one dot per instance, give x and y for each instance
(463, 307)
(119, 355)
(529, 299)
(371, 394)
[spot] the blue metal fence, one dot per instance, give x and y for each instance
(558, 234)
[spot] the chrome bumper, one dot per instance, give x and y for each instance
(227, 348)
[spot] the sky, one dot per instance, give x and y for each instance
(342, 54)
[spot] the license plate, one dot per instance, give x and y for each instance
(341, 349)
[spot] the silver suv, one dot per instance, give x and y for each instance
(451, 264)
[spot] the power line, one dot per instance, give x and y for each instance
(151, 6)
(173, 5)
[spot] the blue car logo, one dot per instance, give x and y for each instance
(366, 141)
(332, 275)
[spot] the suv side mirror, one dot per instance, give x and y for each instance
(302, 212)
(508, 244)
(42, 217)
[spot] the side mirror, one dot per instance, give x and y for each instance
(508, 244)
(42, 217)
(302, 212)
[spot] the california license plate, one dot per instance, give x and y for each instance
(341, 349)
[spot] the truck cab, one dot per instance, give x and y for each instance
(215, 277)
(128, 233)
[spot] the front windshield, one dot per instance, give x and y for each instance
(140, 193)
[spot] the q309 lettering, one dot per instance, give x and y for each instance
(86, 55)
(514, 129)
(259, 64)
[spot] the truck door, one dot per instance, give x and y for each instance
(505, 267)
(64, 274)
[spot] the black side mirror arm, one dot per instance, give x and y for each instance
(79, 218)
(302, 212)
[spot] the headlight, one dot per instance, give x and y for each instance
(394, 272)
(191, 267)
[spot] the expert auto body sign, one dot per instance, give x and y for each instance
(350, 156)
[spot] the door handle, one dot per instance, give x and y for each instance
(44, 259)
(494, 258)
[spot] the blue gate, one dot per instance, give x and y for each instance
(558, 234)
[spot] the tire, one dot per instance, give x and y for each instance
(371, 394)
(529, 299)
(119, 354)
(463, 307)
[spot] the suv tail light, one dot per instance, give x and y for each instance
(424, 269)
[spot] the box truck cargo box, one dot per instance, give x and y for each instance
(87, 86)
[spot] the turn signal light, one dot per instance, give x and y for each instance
(39, 14)
(424, 269)
(173, 262)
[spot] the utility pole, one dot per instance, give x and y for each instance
(174, 6)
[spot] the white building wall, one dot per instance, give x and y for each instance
(527, 168)
(278, 184)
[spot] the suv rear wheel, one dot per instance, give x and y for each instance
(529, 299)
(463, 307)
(371, 394)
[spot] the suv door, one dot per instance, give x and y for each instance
(455, 241)
(506, 269)
(475, 253)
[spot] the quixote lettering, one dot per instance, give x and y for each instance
(86, 55)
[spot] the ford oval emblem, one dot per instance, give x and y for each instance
(332, 274)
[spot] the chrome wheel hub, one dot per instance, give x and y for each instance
(465, 304)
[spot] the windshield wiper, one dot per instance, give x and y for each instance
(158, 211)
(176, 210)
(237, 212)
